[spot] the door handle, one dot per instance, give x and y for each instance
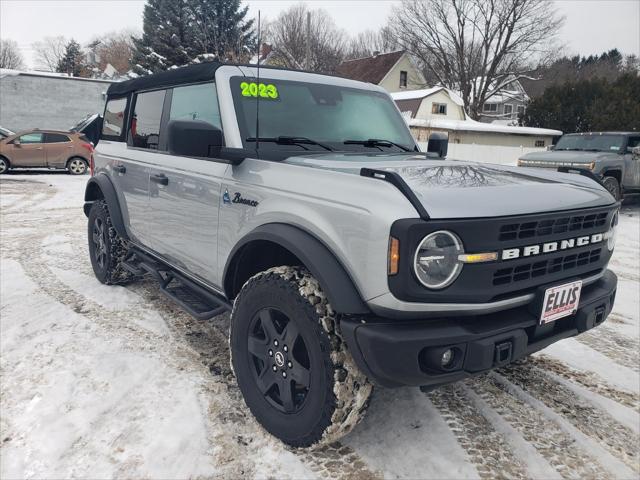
(39, 148)
(160, 178)
(121, 169)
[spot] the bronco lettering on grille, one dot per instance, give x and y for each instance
(548, 247)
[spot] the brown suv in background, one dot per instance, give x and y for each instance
(46, 149)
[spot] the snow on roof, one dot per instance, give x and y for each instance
(473, 126)
(424, 93)
(5, 72)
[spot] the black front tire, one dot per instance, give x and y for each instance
(107, 250)
(292, 366)
(613, 186)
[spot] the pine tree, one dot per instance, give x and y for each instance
(166, 39)
(220, 29)
(72, 62)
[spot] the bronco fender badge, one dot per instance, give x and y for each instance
(238, 198)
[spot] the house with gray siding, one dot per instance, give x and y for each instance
(47, 100)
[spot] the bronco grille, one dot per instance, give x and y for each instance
(504, 276)
(541, 228)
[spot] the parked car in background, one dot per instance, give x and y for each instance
(5, 132)
(612, 156)
(46, 149)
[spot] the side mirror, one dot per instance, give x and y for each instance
(16, 142)
(551, 147)
(194, 138)
(438, 144)
(635, 151)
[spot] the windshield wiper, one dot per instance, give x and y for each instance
(285, 140)
(376, 142)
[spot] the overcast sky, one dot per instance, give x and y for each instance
(592, 26)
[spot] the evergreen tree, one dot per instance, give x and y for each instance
(166, 39)
(220, 29)
(72, 62)
(588, 105)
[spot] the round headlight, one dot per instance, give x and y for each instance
(436, 261)
(611, 234)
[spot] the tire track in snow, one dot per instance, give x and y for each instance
(556, 446)
(338, 461)
(592, 421)
(588, 380)
(620, 349)
(487, 449)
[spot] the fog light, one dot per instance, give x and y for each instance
(447, 358)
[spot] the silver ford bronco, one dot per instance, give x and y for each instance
(614, 157)
(347, 258)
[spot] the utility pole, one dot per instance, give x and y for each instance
(308, 53)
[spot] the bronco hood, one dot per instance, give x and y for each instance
(456, 189)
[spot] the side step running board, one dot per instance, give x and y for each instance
(193, 298)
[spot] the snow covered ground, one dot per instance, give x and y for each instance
(102, 382)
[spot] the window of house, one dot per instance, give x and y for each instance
(508, 109)
(145, 122)
(520, 109)
(196, 102)
(403, 79)
(30, 138)
(439, 108)
(55, 138)
(539, 143)
(114, 118)
(490, 107)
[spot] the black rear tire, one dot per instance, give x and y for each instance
(292, 366)
(613, 186)
(107, 250)
(4, 165)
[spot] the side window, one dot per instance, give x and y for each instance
(30, 138)
(55, 138)
(196, 102)
(403, 79)
(145, 122)
(633, 142)
(114, 118)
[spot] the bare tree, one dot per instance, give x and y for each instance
(10, 56)
(476, 47)
(306, 39)
(49, 52)
(115, 48)
(366, 43)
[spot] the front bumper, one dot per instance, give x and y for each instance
(394, 353)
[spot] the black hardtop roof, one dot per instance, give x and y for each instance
(200, 72)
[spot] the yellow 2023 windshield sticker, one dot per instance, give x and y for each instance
(265, 90)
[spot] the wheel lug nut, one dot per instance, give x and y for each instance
(275, 369)
(289, 364)
(285, 348)
(284, 374)
(275, 342)
(271, 353)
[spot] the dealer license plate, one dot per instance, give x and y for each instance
(560, 301)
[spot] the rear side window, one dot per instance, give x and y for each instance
(634, 142)
(196, 102)
(146, 120)
(113, 122)
(55, 138)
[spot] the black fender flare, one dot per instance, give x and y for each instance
(100, 186)
(316, 257)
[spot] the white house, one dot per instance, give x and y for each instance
(441, 110)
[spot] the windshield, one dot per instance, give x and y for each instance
(315, 117)
(5, 132)
(600, 143)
